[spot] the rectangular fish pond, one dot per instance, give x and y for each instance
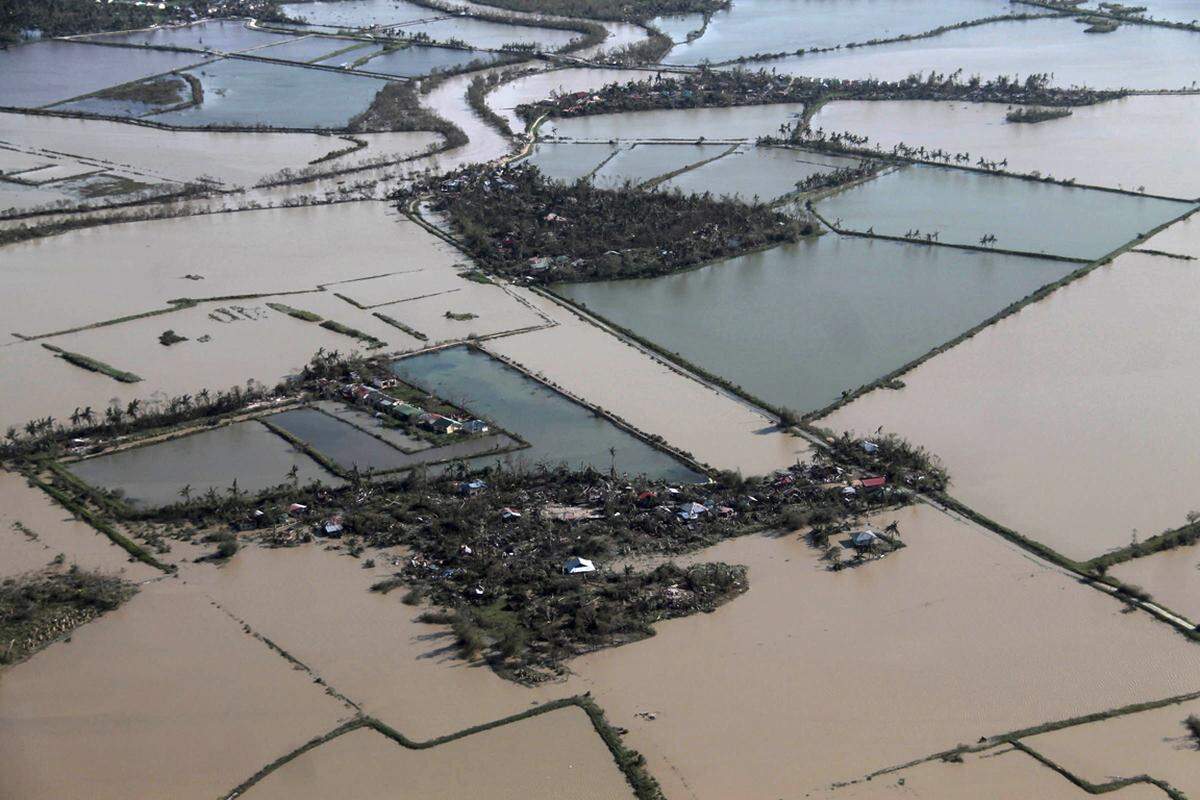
(238, 92)
(559, 430)
(962, 207)
(154, 474)
(798, 324)
(349, 440)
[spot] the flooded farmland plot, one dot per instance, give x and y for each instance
(716, 702)
(834, 302)
(1154, 743)
(555, 756)
(245, 452)
(1172, 578)
(233, 158)
(34, 531)
(1063, 388)
(736, 122)
(357, 13)
(238, 92)
(558, 430)
(963, 207)
(610, 167)
(367, 645)
(214, 35)
(1004, 774)
(644, 162)
(339, 463)
(149, 681)
(1097, 145)
(43, 73)
(752, 27)
(1132, 57)
(414, 60)
(570, 162)
(218, 255)
(716, 428)
(765, 173)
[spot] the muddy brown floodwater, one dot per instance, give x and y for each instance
(164, 697)
(814, 676)
(1151, 743)
(34, 530)
(1172, 577)
(555, 756)
(1063, 421)
(1005, 774)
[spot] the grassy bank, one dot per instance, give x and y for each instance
(93, 365)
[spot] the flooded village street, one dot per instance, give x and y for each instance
(549, 400)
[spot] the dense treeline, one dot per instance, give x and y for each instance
(69, 17)
(397, 107)
(517, 223)
(738, 87)
(637, 10)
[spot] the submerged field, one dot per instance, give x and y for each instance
(1059, 421)
(830, 314)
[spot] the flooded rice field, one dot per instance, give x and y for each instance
(357, 13)
(138, 267)
(643, 162)
(728, 691)
(1003, 774)
(367, 645)
(245, 452)
(43, 73)
(555, 756)
(233, 158)
(558, 430)
(569, 162)
(414, 61)
(715, 427)
(34, 531)
(766, 173)
(1132, 57)
(1100, 145)
(490, 35)
(962, 207)
(736, 122)
(248, 93)
(678, 26)
(149, 681)
(1058, 421)
(830, 314)
(609, 167)
(305, 49)
(1151, 743)
(751, 27)
(1171, 577)
(214, 35)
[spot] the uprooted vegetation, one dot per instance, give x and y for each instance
(517, 223)
(37, 609)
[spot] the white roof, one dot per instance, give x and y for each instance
(576, 565)
(864, 538)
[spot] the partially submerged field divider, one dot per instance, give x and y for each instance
(102, 525)
(631, 763)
